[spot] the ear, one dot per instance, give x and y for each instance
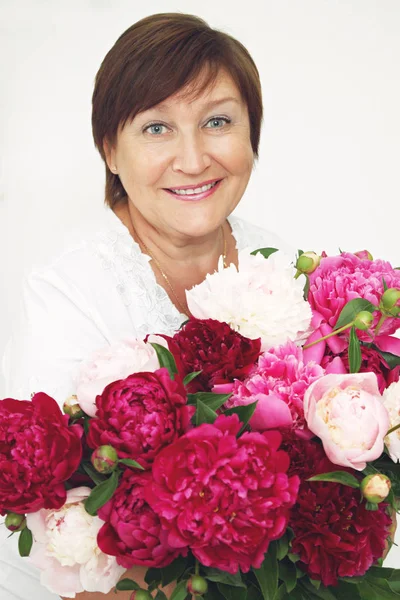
(109, 152)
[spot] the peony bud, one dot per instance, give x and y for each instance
(364, 255)
(104, 459)
(15, 522)
(197, 585)
(389, 301)
(72, 408)
(307, 262)
(363, 320)
(141, 595)
(376, 487)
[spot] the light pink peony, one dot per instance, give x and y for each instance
(339, 279)
(278, 384)
(347, 413)
(65, 549)
(260, 300)
(109, 364)
(391, 401)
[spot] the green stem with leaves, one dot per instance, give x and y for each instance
(393, 429)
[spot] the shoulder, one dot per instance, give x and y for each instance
(252, 236)
(84, 250)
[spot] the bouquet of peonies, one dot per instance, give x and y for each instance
(254, 455)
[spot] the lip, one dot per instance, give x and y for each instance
(200, 196)
(193, 186)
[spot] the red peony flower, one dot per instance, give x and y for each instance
(334, 535)
(223, 497)
(132, 532)
(38, 453)
(140, 415)
(372, 361)
(212, 347)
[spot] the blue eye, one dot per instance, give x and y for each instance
(156, 128)
(217, 119)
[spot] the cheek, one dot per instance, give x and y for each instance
(237, 156)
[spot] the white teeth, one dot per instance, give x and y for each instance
(198, 190)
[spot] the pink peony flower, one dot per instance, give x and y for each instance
(108, 364)
(391, 401)
(347, 413)
(65, 549)
(132, 531)
(141, 414)
(339, 279)
(278, 384)
(225, 498)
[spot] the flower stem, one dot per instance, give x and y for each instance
(197, 568)
(379, 325)
(336, 332)
(297, 275)
(393, 428)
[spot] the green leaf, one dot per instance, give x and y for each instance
(125, 585)
(267, 574)
(152, 576)
(376, 589)
(281, 593)
(101, 494)
(25, 542)
(190, 377)
(322, 593)
(173, 571)
(214, 401)
(218, 576)
(287, 574)
(351, 310)
(232, 593)
(266, 252)
(385, 287)
(93, 474)
(354, 352)
(299, 253)
(166, 359)
(282, 547)
(345, 590)
(204, 414)
(131, 463)
(180, 592)
(212, 593)
(244, 413)
(392, 359)
(337, 477)
(160, 595)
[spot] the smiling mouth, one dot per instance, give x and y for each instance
(193, 191)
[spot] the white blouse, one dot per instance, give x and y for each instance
(95, 292)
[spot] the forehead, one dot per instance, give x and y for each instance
(222, 89)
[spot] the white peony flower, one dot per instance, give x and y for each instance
(109, 364)
(262, 299)
(65, 549)
(391, 401)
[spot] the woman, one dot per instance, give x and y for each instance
(177, 113)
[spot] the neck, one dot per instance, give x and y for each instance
(174, 251)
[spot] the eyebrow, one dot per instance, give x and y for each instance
(164, 107)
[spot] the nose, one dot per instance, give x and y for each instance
(191, 155)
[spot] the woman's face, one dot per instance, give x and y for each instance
(181, 143)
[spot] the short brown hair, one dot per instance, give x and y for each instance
(155, 58)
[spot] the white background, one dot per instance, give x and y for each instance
(328, 174)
